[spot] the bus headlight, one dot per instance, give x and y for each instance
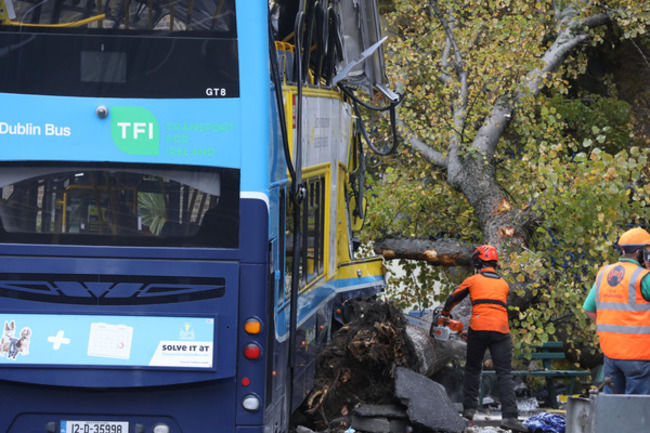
(251, 403)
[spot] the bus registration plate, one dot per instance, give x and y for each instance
(94, 427)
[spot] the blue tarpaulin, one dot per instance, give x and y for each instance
(546, 423)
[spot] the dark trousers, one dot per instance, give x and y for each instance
(500, 346)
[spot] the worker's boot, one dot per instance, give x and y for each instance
(469, 413)
(513, 424)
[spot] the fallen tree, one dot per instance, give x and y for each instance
(358, 366)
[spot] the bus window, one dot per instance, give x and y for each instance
(314, 217)
(122, 205)
(169, 16)
(312, 233)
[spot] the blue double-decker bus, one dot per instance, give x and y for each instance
(180, 183)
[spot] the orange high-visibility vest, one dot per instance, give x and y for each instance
(488, 293)
(623, 316)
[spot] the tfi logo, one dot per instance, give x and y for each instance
(135, 130)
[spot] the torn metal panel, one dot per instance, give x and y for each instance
(360, 31)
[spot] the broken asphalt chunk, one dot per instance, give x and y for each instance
(382, 410)
(428, 405)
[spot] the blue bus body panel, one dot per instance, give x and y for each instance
(200, 407)
(190, 132)
(254, 77)
(321, 296)
(193, 132)
(252, 305)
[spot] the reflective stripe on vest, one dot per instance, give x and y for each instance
(624, 329)
(489, 301)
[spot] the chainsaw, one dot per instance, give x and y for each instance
(444, 328)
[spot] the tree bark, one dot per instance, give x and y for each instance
(442, 252)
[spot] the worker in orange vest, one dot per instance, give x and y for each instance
(619, 303)
(488, 328)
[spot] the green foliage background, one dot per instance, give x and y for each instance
(577, 158)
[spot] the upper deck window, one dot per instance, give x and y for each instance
(178, 16)
(120, 205)
(120, 48)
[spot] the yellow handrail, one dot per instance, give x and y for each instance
(70, 24)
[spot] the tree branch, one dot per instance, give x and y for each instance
(572, 35)
(427, 152)
(641, 53)
(460, 105)
(441, 252)
(450, 36)
(489, 133)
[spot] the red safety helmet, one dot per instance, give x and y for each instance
(484, 253)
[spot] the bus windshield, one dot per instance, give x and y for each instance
(119, 16)
(121, 205)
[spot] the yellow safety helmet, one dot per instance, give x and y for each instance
(633, 239)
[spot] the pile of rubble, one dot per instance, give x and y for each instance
(374, 377)
(421, 405)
